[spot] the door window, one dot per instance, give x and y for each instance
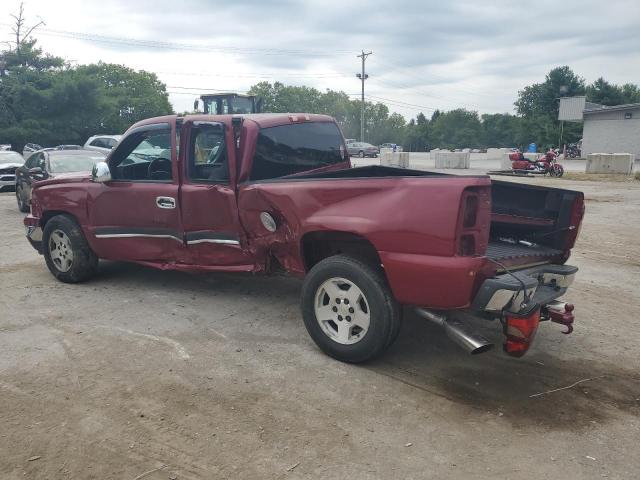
(35, 160)
(144, 155)
(110, 142)
(99, 142)
(208, 161)
(289, 149)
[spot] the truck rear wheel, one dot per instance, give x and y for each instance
(348, 309)
(66, 251)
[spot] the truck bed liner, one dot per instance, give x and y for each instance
(499, 250)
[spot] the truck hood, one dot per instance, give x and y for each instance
(4, 165)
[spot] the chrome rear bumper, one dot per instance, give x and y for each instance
(543, 284)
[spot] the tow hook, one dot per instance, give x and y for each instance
(560, 312)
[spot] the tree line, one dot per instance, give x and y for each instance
(46, 100)
(535, 119)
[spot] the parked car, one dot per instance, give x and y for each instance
(262, 193)
(362, 149)
(9, 162)
(68, 147)
(47, 164)
(398, 148)
(29, 148)
(102, 143)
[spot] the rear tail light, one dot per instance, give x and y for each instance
(520, 331)
(577, 213)
(473, 223)
(467, 245)
(470, 213)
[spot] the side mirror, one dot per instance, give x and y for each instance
(37, 172)
(196, 105)
(100, 173)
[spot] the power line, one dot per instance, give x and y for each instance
(422, 92)
(400, 103)
(91, 37)
(407, 71)
(261, 75)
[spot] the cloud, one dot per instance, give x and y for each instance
(438, 54)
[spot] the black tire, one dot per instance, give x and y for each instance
(361, 154)
(84, 264)
(22, 205)
(384, 311)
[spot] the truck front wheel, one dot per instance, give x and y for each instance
(348, 309)
(67, 253)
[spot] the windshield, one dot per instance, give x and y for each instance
(290, 149)
(11, 157)
(242, 105)
(73, 163)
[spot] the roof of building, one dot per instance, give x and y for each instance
(592, 108)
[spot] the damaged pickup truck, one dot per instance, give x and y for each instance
(271, 192)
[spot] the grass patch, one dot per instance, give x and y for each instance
(600, 177)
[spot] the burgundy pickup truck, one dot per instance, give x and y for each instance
(270, 192)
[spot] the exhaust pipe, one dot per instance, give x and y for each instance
(456, 331)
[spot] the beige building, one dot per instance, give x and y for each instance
(611, 129)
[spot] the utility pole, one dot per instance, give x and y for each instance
(362, 76)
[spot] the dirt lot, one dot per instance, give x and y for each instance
(207, 377)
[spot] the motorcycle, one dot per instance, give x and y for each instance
(573, 151)
(543, 165)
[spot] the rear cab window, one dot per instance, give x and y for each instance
(289, 149)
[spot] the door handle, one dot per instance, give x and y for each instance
(166, 202)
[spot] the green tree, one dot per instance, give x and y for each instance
(500, 129)
(125, 95)
(538, 105)
(542, 98)
(417, 132)
(606, 93)
(458, 128)
(43, 100)
(380, 125)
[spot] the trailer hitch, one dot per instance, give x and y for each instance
(559, 312)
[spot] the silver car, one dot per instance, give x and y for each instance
(362, 149)
(9, 162)
(102, 143)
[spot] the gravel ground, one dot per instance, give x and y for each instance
(213, 376)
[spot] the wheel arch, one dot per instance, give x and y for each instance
(49, 214)
(318, 245)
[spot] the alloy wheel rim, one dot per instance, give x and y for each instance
(342, 311)
(60, 250)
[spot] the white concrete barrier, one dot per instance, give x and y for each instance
(452, 159)
(496, 153)
(505, 162)
(420, 160)
(394, 159)
(609, 163)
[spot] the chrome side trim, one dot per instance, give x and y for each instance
(131, 235)
(213, 240)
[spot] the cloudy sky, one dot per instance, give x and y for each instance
(426, 54)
